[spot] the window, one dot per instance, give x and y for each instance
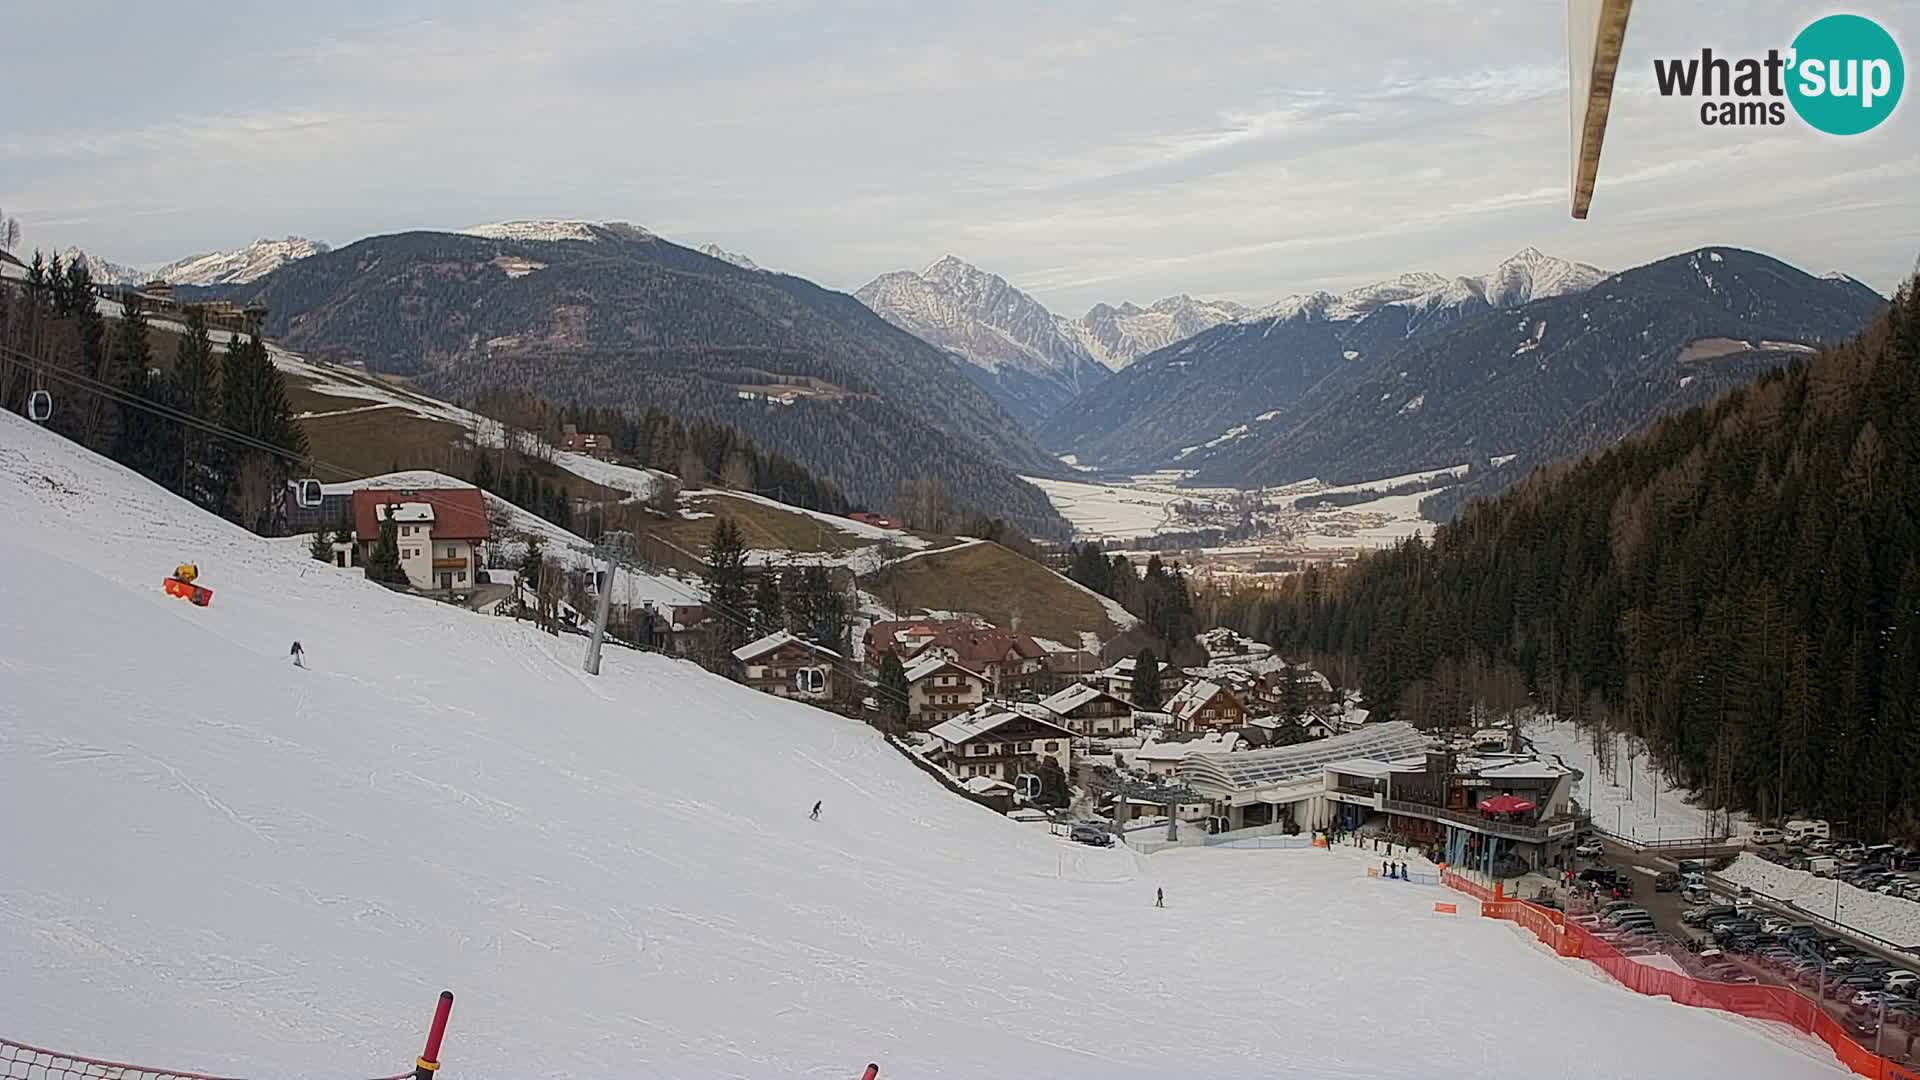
(460, 576)
(1053, 747)
(450, 553)
(1024, 748)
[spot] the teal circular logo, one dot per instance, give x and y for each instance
(1847, 75)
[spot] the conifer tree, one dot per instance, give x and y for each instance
(769, 613)
(725, 578)
(1146, 681)
(894, 690)
(383, 564)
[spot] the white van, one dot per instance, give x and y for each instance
(1800, 830)
(1766, 835)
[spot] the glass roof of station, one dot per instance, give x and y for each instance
(1286, 764)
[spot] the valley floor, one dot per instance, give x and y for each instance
(217, 861)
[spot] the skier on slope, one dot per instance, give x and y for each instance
(1159, 897)
(299, 655)
(815, 816)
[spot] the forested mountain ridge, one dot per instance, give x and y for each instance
(1391, 380)
(1221, 385)
(623, 318)
(1740, 585)
(1556, 377)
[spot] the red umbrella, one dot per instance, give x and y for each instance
(1506, 804)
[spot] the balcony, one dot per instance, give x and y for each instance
(450, 564)
(1563, 825)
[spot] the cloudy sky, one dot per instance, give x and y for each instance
(1088, 151)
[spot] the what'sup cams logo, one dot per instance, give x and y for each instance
(1842, 75)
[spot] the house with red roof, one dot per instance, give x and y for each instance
(441, 532)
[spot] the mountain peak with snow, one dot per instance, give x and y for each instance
(715, 251)
(1527, 275)
(102, 271)
(554, 229)
(256, 260)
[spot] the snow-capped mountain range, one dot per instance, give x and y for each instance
(103, 271)
(1529, 275)
(1117, 336)
(237, 267)
(1030, 358)
(256, 260)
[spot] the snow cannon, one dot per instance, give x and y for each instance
(181, 584)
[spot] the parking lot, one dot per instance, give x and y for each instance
(1730, 938)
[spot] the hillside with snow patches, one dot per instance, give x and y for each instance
(221, 862)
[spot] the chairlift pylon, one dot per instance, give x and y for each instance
(307, 493)
(39, 406)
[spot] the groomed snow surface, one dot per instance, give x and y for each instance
(220, 862)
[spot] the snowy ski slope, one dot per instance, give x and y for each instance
(213, 860)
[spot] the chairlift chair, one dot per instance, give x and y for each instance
(39, 406)
(308, 494)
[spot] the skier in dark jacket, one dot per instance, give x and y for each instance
(815, 816)
(1159, 897)
(299, 655)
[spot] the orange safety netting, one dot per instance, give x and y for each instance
(1762, 1002)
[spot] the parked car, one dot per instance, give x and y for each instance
(1900, 979)
(1820, 847)
(1093, 835)
(1589, 849)
(1704, 916)
(1666, 881)
(1766, 835)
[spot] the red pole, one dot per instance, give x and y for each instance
(429, 1061)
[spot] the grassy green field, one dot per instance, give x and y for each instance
(989, 580)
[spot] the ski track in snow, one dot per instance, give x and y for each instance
(217, 861)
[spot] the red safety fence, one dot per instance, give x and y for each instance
(19, 1061)
(1759, 1001)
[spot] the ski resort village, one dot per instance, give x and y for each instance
(1155, 545)
(629, 756)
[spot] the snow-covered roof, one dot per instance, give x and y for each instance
(1219, 742)
(406, 512)
(1191, 698)
(1071, 698)
(1524, 770)
(774, 641)
(982, 722)
(920, 669)
(982, 785)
